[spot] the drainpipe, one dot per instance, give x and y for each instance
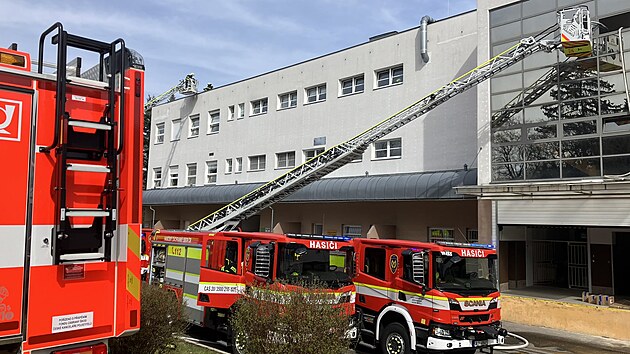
(152, 217)
(423, 37)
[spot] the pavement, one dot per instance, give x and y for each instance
(541, 341)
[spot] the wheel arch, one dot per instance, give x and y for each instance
(395, 313)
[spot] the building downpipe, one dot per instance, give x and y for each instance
(423, 37)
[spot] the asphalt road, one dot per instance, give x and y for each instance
(542, 341)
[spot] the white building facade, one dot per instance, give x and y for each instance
(209, 149)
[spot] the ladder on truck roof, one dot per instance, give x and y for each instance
(228, 217)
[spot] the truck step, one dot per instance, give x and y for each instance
(81, 257)
(90, 125)
(86, 212)
(87, 167)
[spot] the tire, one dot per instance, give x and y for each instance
(395, 339)
(236, 344)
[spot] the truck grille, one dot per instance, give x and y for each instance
(474, 318)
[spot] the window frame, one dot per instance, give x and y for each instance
(433, 239)
(173, 175)
(238, 168)
(241, 111)
(264, 106)
(258, 158)
(212, 123)
(191, 127)
(229, 166)
(157, 177)
(159, 136)
(231, 113)
(391, 78)
(344, 227)
(314, 150)
(291, 100)
(209, 174)
(319, 96)
(189, 175)
(353, 85)
(288, 159)
(388, 149)
(370, 252)
(176, 133)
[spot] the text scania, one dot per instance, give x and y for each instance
(325, 245)
(473, 253)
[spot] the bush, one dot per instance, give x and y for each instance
(161, 322)
(302, 321)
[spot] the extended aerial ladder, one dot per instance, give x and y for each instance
(575, 41)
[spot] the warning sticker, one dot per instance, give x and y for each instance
(73, 322)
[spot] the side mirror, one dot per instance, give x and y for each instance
(262, 261)
(417, 268)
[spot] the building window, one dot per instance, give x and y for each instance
(211, 172)
(228, 166)
(176, 125)
(437, 234)
(351, 230)
(241, 110)
(230, 113)
(191, 174)
(157, 177)
(285, 159)
(374, 262)
(352, 85)
(173, 176)
(316, 93)
(239, 165)
(257, 163)
(259, 106)
(472, 235)
(389, 76)
(193, 128)
(318, 229)
(287, 100)
(385, 149)
(213, 121)
(159, 133)
(310, 153)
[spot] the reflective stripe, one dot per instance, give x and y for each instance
(12, 240)
(430, 301)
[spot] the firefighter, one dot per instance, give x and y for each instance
(229, 266)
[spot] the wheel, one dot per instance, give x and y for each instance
(395, 340)
(238, 347)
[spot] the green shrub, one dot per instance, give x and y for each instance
(161, 322)
(304, 321)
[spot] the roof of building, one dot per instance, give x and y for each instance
(401, 186)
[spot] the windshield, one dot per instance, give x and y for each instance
(299, 265)
(453, 273)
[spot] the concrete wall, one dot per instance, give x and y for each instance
(410, 220)
(441, 140)
(575, 318)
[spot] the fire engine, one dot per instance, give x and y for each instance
(70, 263)
(415, 295)
(211, 270)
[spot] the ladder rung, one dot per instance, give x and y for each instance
(87, 212)
(87, 167)
(76, 257)
(91, 125)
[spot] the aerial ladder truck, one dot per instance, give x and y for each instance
(71, 148)
(439, 328)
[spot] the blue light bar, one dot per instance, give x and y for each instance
(320, 237)
(469, 245)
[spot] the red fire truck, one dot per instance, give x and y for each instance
(415, 295)
(211, 270)
(71, 147)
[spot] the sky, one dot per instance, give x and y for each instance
(221, 41)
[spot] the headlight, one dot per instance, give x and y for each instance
(347, 297)
(454, 305)
(494, 303)
(441, 332)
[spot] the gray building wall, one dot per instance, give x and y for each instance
(442, 140)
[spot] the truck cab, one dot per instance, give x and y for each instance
(415, 295)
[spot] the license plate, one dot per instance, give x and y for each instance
(480, 343)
